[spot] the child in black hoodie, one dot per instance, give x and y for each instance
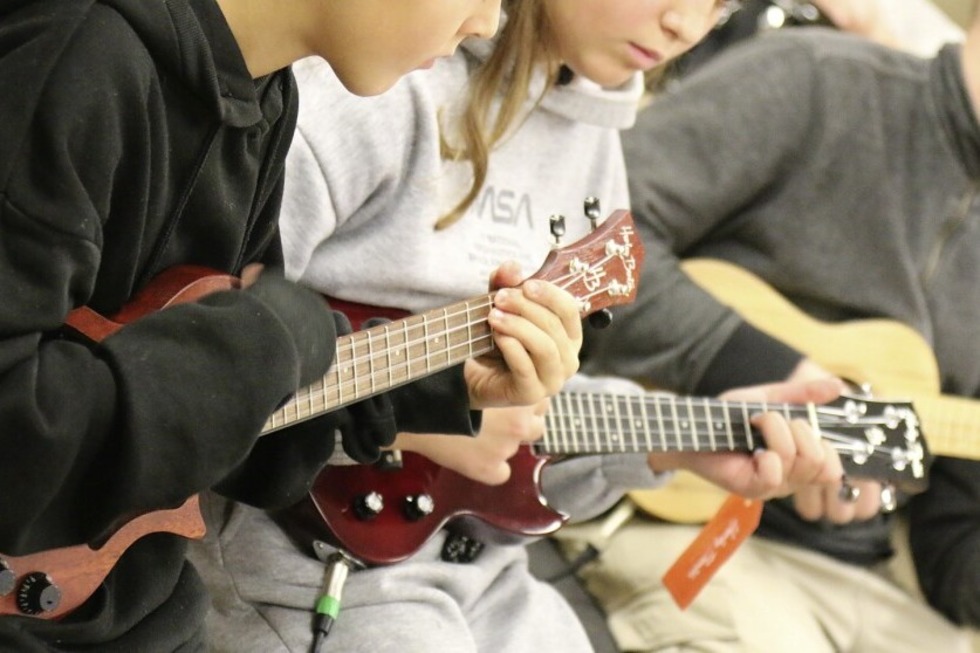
(139, 135)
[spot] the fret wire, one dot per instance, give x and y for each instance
(595, 422)
(573, 415)
(748, 426)
(677, 425)
(554, 424)
(445, 328)
(604, 411)
(543, 445)
(618, 420)
(711, 427)
(558, 409)
(572, 430)
(583, 427)
(660, 424)
(388, 348)
(405, 350)
(576, 424)
(338, 371)
(577, 418)
(594, 409)
(563, 432)
(602, 407)
(353, 367)
(599, 437)
(646, 422)
(370, 347)
(631, 420)
(578, 430)
(728, 427)
(690, 416)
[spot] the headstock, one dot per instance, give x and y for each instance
(602, 269)
(878, 440)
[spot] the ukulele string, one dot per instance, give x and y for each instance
(564, 282)
(329, 384)
(604, 436)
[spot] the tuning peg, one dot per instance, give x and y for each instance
(557, 225)
(592, 211)
(601, 318)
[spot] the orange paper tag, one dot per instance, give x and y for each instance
(735, 520)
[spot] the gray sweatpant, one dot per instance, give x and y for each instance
(263, 589)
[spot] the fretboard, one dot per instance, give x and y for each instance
(951, 425)
(582, 422)
(383, 357)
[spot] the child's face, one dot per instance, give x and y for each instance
(608, 41)
(371, 44)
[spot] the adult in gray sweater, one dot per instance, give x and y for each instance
(846, 175)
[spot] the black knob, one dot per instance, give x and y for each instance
(419, 506)
(37, 593)
(7, 578)
(368, 506)
(601, 318)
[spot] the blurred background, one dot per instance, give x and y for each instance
(958, 10)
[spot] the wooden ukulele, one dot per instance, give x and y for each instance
(382, 514)
(599, 270)
(887, 356)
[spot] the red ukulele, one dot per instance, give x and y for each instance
(384, 513)
(600, 270)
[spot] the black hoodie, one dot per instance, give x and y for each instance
(133, 139)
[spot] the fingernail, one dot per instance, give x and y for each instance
(532, 288)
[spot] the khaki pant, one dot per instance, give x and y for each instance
(767, 598)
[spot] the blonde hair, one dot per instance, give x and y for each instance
(522, 46)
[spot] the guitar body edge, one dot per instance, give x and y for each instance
(514, 508)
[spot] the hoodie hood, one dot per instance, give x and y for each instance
(192, 40)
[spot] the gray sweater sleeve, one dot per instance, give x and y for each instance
(727, 136)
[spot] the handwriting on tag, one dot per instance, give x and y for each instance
(736, 519)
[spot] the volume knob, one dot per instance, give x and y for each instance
(419, 506)
(368, 506)
(37, 593)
